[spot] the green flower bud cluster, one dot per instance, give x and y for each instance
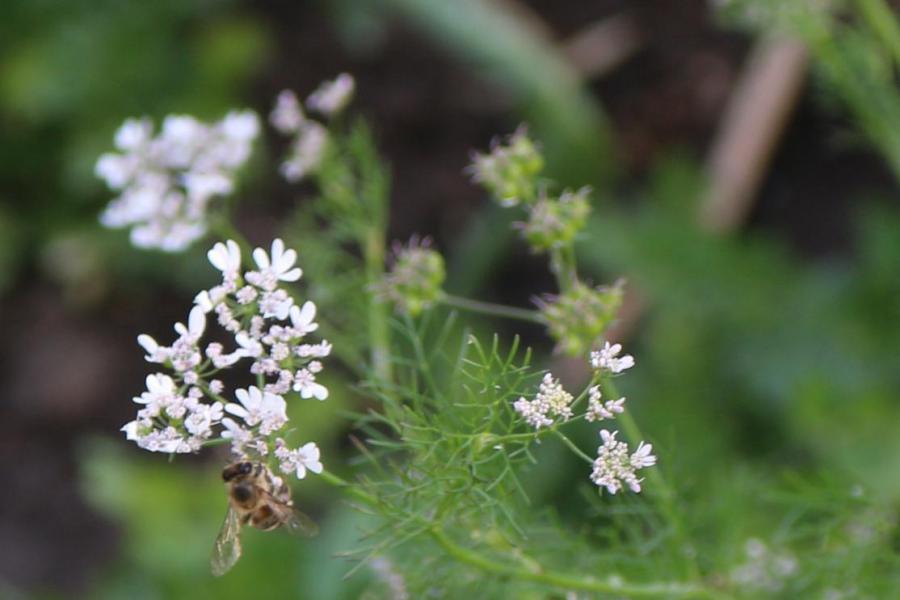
(554, 223)
(414, 281)
(579, 317)
(510, 171)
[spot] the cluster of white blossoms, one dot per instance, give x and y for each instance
(166, 181)
(607, 358)
(614, 466)
(599, 410)
(184, 411)
(310, 137)
(551, 401)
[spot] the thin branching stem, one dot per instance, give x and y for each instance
(495, 310)
(573, 447)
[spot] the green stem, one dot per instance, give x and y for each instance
(496, 310)
(573, 447)
(565, 581)
(379, 311)
(662, 490)
(351, 490)
(562, 265)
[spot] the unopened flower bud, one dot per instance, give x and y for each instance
(554, 223)
(510, 171)
(414, 282)
(580, 316)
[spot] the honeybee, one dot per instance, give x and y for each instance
(259, 498)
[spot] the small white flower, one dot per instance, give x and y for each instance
(613, 466)
(608, 358)
(257, 407)
(308, 456)
(531, 412)
(200, 187)
(196, 325)
(302, 318)
(240, 126)
(133, 134)
(249, 346)
(238, 435)
(307, 152)
(287, 116)
(202, 419)
(131, 431)
(161, 392)
(642, 457)
(598, 411)
(305, 383)
(155, 352)
(226, 258)
(204, 301)
(320, 350)
(279, 266)
(300, 460)
(246, 294)
(332, 96)
(117, 171)
(276, 304)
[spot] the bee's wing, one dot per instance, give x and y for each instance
(293, 520)
(227, 549)
(299, 523)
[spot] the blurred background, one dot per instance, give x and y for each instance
(745, 184)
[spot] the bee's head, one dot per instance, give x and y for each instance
(236, 469)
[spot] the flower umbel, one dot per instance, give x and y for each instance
(614, 467)
(551, 401)
(599, 410)
(167, 182)
(182, 412)
(309, 138)
(608, 359)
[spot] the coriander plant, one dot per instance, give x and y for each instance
(457, 423)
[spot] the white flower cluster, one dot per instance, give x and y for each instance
(607, 358)
(614, 466)
(551, 401)
(599, 410)
(269, 332)
(167, 181)
(310, 137)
